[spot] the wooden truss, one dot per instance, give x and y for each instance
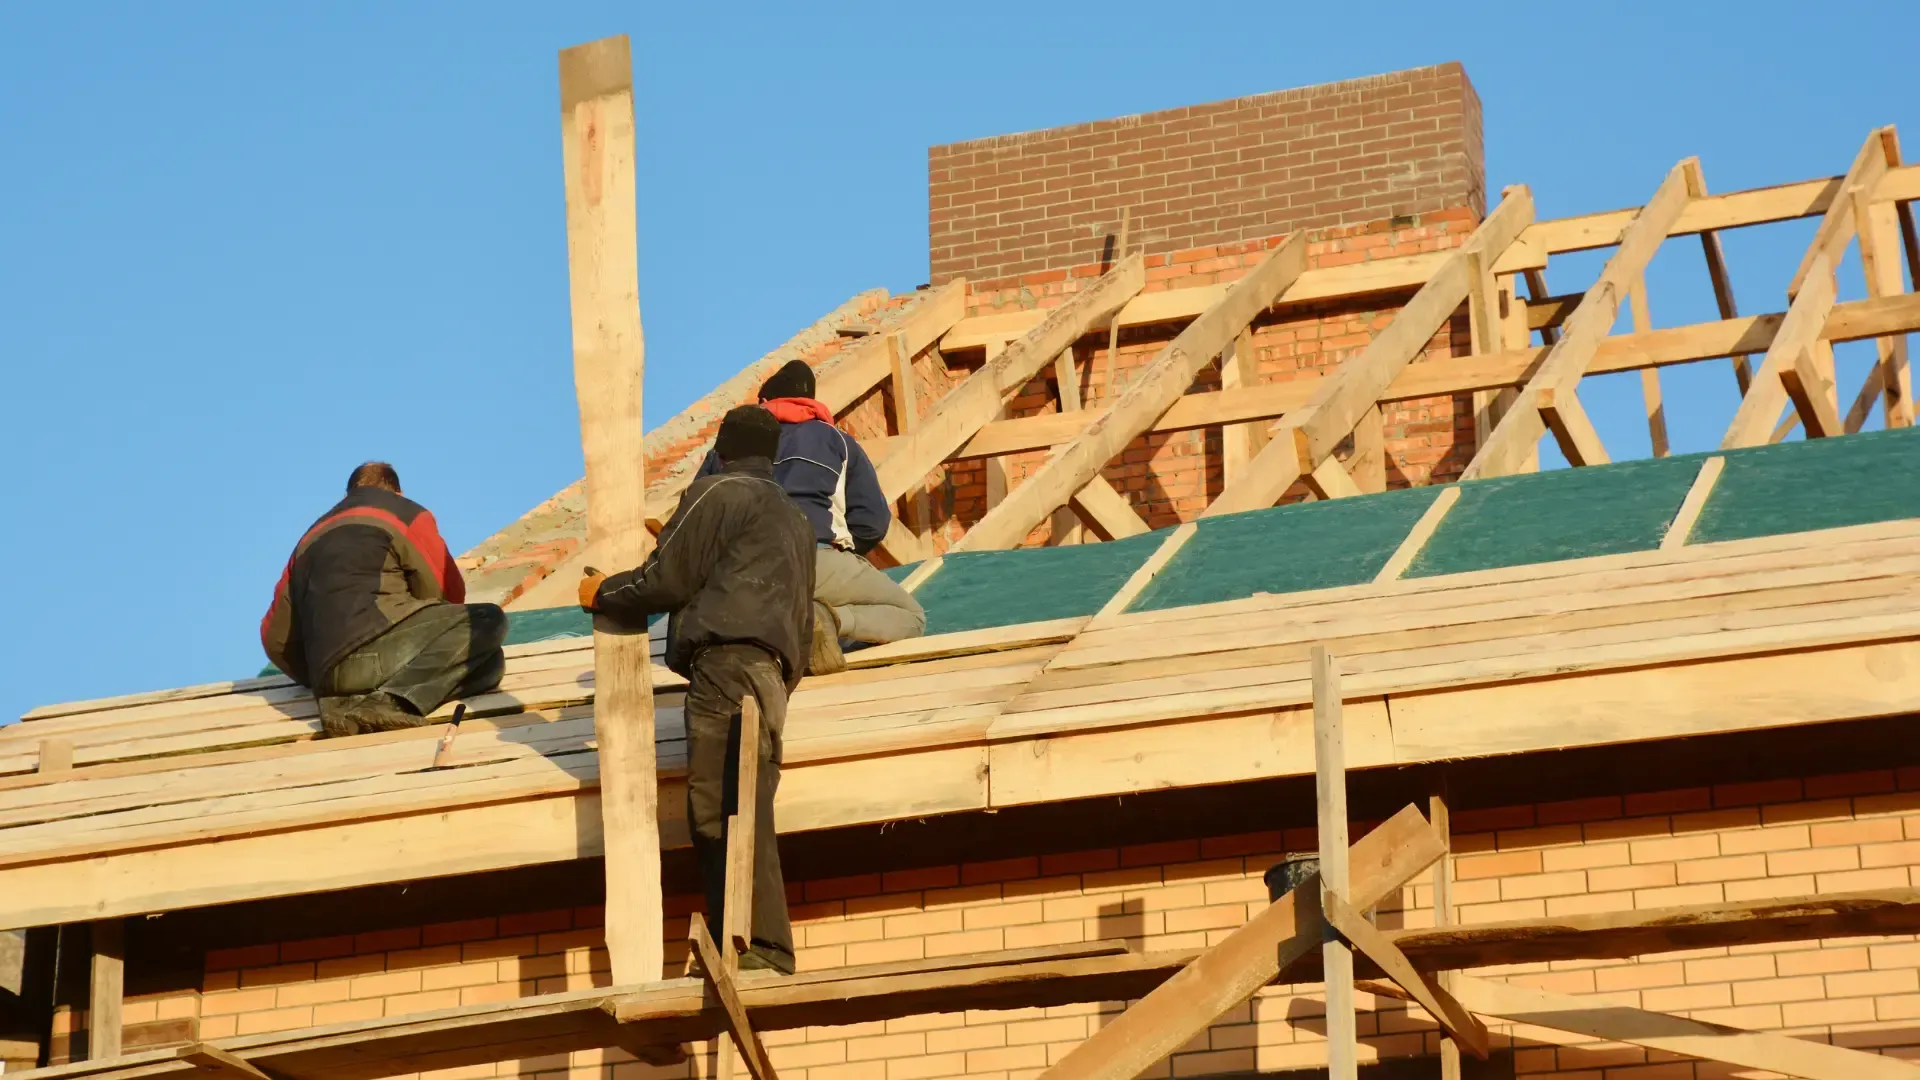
(1288, 432)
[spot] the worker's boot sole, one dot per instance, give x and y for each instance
(359, 714)
(825, 657)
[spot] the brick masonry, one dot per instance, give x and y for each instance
(1820, 834)
(1341, 153)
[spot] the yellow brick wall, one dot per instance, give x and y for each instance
(1729, 843)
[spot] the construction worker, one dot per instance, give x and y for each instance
(368, 613)
(734, 568)
(824, 470)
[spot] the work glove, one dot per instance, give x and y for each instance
(590, 589)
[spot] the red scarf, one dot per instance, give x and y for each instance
(797, 410)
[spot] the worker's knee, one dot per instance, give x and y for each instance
(488, 625)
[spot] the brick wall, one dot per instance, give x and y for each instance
(1733, 842)
(1341, 153)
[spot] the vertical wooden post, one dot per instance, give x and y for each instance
(1442, 819)
(596, 118)
(108, 989)
(1649, 377)
(1066, 381)
(996, 467)
(1239, 443)
(1878, 226)
(1330, 787)
(906, 416)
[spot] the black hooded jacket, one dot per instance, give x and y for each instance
(734, 565)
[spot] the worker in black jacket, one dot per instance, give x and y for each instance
(734, 568)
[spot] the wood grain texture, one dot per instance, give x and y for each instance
(609, 361)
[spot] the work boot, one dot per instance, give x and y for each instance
(825, 657)
(358, 714)
(764, 959)
(663, 1054)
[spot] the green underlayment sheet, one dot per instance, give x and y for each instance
(1560, 514)
(976, 589)
(1293, 548)
(1508, 521)
(1816, 484)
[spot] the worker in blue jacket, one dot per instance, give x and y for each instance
(824, 470)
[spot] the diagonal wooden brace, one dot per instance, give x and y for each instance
(1466, 1028)
(720, 976)
(1229, 973)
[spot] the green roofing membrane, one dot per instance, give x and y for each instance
(1814, 484)
(1506, 521)
(1561, 514)
(977, 589)
(1292, 548)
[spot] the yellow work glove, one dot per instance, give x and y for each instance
(590, 588)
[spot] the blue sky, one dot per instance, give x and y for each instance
(246, 246)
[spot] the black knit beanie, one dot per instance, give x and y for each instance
(794, 380)
(747, 431)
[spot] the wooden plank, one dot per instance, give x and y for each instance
(1697, 495)
(980, 397)
(1157, 387)
(1142, 577)
(1567, 361)
(1463, 1028)
(1422, 531)
(596, 105)
(1600, 1017)
(719, 973)
(737, 933)
(1753, 421)
(1739, 692)
(1307, 437)
(1561, 411)
(1330, 797)
(1228, 749)
(1247, 959)
(107, 990)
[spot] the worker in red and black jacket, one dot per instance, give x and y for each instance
(369, 614)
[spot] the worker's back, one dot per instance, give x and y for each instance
(372, 560)
(742, 552)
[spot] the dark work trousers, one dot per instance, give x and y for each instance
(431, 657)
(722, 675)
